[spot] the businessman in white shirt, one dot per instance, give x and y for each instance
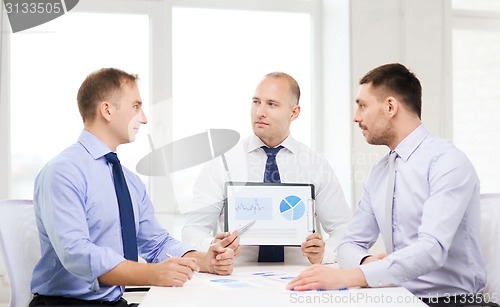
(275, 105)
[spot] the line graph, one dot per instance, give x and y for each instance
(253, 208)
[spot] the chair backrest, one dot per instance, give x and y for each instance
(20, 247)
(490, 242)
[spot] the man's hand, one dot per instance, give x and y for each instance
(218, 259)
(230, 240)
(174, 272)
(323, 277)
(314, 248)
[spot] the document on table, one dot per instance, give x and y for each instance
(260, 279)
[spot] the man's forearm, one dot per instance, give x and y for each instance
(128, 273)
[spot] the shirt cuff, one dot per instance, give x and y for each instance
(377, 274)
(350, 255)
(330, 254)
(102, 263)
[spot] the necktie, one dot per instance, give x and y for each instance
(125, 207)
(391, 176)
(271, 253)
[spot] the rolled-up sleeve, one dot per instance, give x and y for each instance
(63, 220)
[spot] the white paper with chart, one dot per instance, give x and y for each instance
(277, 213)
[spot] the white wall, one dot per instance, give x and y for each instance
(414, 33)
(336, 73)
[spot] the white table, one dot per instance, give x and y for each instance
(245, 288)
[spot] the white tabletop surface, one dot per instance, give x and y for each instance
(258, 285)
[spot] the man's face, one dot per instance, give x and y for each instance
(372, 116)
(128, 115)
(273, 109)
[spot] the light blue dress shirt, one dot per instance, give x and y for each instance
(79, 225)
(436, 221)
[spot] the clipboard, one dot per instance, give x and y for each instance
(270, 213)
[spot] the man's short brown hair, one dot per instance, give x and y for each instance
(102, 85)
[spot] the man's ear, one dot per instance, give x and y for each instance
(295, 112)
(105, 110)
(392, 105)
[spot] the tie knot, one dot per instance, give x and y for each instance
(391, 160)
(393, 155)
(272, 151)
(112, 158)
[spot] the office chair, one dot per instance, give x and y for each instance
(20, 247)
(490, 244)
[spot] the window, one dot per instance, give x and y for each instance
(476, 94)
(48, 64)
(194, 71)
(219, 56)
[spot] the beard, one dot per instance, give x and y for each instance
(384, 138)
(380, 134)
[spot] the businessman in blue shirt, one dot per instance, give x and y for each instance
(429, 216)
(78, 218)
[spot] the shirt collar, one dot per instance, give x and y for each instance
(94, 146)
(255, 143)
(406, 148)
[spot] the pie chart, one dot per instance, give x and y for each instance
(292, 208)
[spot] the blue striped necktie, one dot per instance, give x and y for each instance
(125, 207)
(271, 253)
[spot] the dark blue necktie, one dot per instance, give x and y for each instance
(271, 253)
(125, 207)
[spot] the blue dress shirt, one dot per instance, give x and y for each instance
(79, 226)
(436, 221)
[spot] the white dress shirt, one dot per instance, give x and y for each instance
(436, 221)
(246, 162)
